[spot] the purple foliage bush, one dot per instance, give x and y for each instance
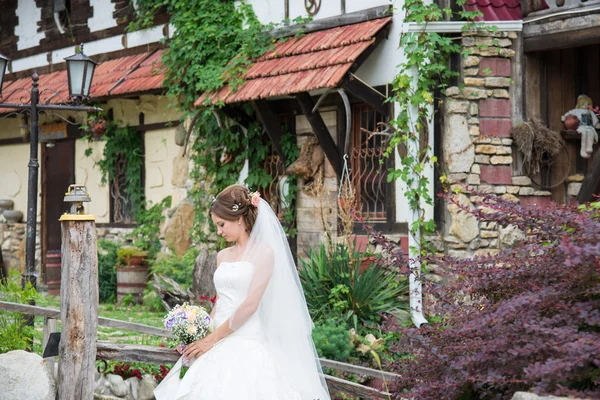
(525, 319)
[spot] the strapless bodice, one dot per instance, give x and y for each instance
(232, 281)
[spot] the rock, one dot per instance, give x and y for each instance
(526, 191)
(477, 243)
(118, 387)
(457, 151)
(452, 91)
(500, 94)
(473, 179)
(511, 236)
(485, 149)
(471, 61)
(574, 188)
(476, 169)
(495, 160)
(24, 375)
(178, 231)
(474, 130)
(180, 134)
(180, 171)
(204, 269)
(471, 93)
(471, 71)
(464, 225)
(457, 107)
(133, 384)
(497, 82)
(455, 178)
(533, 396)
(473, 108)
(521, 181)
(474, 81)
(146, 387)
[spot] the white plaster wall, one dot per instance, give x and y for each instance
(103, 15)
(13, 175)
(11, 127)
(160, 150)
(27, 30)
(87, 173)
(155, 109)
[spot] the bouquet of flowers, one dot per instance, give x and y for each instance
(188, 323)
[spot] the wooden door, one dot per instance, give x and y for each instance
(58, 172)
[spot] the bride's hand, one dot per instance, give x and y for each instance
(197, 348)
(179, 349)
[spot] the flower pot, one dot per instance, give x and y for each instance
(135, 261)
(132, 281)
(12, 216)
(6, 204)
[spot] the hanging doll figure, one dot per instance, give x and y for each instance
(588, 122)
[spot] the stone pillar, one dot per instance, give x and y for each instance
(477, 145)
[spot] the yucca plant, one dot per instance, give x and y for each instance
(335, 286)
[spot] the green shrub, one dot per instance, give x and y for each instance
(334, 286)
(14, 334)
(107, 273)
(126, 252)
(332, 340)
(146, 235)
(178, 268)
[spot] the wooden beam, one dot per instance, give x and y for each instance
(271, 124)
(157, 126)
(109, 322)
(367, 94)
(333, 22)
(320, 130)
(236, 114)
(578, 30)
(591, 181)
(16, 140)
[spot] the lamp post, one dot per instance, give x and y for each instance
(80, 71)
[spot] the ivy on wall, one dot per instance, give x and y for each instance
(424, 71)
(214, 42)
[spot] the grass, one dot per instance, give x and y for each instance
(132, 313)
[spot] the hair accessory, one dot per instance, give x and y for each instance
(235, 207)
(255, 198)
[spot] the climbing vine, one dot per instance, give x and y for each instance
(213, 43)
(424, 71)
(121, 166)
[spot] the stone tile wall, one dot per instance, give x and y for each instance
(477, 147)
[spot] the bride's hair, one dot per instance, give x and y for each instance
(235, 202)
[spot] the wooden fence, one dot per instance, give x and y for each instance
(159, 355)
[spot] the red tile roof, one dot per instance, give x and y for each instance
(314, 61)
(495, 10)
(131, 74)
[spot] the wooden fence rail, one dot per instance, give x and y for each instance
(159, 355)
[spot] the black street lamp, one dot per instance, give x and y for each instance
(80, 71)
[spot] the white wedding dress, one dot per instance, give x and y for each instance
(240, 366)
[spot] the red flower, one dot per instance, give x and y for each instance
(213, 299)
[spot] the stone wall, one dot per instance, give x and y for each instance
(12, 243)
(477, 147)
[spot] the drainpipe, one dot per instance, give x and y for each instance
(414, 239)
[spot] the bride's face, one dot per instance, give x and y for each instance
(230, 230)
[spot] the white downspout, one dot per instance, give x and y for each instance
(414, 239)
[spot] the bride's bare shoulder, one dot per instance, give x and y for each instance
(223, 255)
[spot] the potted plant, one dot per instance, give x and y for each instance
(132, 273)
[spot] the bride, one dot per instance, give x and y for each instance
(262, 347)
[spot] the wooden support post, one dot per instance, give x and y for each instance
(591, 181)
(49, 327)
(78, 308)
(271, 124)
(321, 132)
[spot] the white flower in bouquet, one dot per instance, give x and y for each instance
(188, 323)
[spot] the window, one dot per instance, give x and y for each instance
(368, 174)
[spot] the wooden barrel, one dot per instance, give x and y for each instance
(132, 280)
(53, 260)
